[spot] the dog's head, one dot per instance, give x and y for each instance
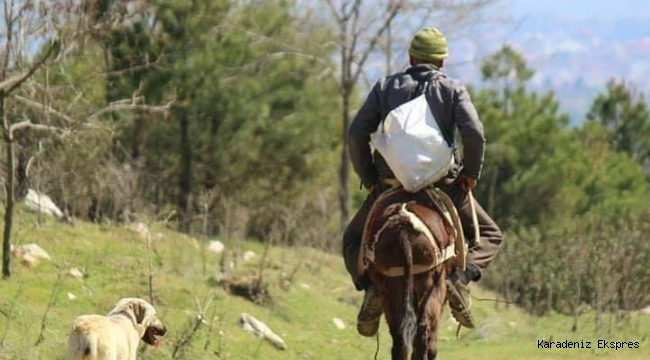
(144, 317)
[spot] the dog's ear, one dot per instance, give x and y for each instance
(142, 311)
(139, 312)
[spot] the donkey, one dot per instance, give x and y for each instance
(410, 246)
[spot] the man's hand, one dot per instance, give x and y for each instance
(372, 188)
(467, 183)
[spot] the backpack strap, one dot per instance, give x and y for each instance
(423, 88)
(419, 90)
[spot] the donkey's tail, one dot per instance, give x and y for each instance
(409, 322)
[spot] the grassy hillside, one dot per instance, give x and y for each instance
(308, 289)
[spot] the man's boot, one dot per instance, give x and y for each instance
(370, 313)
(459, 298)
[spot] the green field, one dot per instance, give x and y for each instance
(308, 288)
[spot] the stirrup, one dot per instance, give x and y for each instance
(370, 313)
(460, 307)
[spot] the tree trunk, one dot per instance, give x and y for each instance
(185, 178)
(344, 169)
(492, 190)
(137, 143)
(9, 192)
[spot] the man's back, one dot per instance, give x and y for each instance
(449, 104)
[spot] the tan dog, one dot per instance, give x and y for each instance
(115, 336)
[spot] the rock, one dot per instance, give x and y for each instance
(42, 203)
(338, 323)
(76, 273)
(249, 255)
(29, 254)
(640, 312)
(216, 246)
(261, 330)
(140, 228)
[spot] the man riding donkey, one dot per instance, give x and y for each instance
(453, 111)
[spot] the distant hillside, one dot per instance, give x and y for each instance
(574, 58)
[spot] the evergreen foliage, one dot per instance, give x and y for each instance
(570, 199)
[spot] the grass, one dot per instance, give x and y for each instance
(117, 263)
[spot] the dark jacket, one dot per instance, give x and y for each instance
(449, 102)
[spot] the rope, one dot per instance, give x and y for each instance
(481, 299)
(377, 349)
(472, 206)
(492, 300)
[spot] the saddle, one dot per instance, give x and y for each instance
(432, 198)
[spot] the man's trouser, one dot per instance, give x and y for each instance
(480, 254)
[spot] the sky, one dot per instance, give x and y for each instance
(574, 46)
(581, 9)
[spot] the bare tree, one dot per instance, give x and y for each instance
(17, 66)
(366, 33)
(359, 30)
(37, 36)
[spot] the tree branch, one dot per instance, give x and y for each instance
(315, 58)
(11, 84)
(128, 105)
(294, 51)
(335, 13)
(373, 41)
(29, 124)
(8, 11)
(354, 13)
(45, 108)
(121, 105)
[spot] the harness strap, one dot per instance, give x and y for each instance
(447, 253)
(459, 238)
(415, 221)
(361, 261)
(449, 213)
(441, 255)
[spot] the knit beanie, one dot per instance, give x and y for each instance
(429, 44)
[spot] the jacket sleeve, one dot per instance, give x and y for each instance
(471, 132)
(364, 123)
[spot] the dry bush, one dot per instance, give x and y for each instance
(309, 220)
(84, 178)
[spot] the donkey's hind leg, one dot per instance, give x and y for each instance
(391, 291)
(422, 286)
(434, 308)
(430, 301)
(399, 350)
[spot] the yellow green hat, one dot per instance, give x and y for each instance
(429, 44)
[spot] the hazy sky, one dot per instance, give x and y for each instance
(581, 9)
